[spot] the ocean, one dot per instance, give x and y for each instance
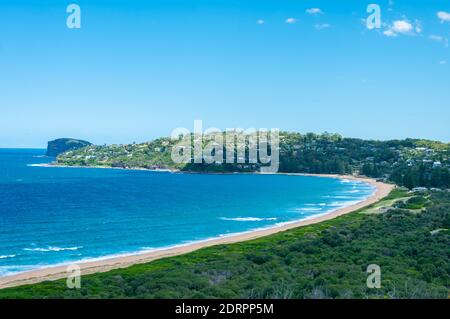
(51, 215)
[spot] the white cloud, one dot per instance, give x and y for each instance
(403, 27)
(314, 11)
(260, 21)
(436, 38)
(443, 16)
(390, 33)
(439, 38)
(291, 20)
(322, 26)
(418, 27)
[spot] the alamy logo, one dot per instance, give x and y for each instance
(234, 146)
(373, 21)
(374, 278)
(73, 277)
(74, 19)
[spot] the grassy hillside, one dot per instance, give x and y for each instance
(409, 162)
(408, 236)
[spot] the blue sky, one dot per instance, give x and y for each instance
(138, 69)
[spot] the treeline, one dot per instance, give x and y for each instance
(410, 163)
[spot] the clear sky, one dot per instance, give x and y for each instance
(136, 70)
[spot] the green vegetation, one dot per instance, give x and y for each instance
(406, 234)
(325, 260)
(409, 162)
(415, 202)
(62, 145)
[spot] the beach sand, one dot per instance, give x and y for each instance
(89, 267)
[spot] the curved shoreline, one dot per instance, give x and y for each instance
(103, 265)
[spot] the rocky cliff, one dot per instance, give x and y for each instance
(62, 145)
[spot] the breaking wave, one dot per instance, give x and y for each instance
(247, 219)
(7, 256)
(312, 209)
(51, 248)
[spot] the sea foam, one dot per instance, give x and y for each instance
(51, 248)
(311, 209)
(7, 256)
(247, 219)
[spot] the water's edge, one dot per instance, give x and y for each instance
(269, 228)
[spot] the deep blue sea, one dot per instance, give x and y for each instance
(51, 215)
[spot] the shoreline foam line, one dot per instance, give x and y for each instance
(104, 265)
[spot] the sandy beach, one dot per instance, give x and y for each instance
(89, 267)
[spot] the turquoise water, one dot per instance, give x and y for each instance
(50, 216)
